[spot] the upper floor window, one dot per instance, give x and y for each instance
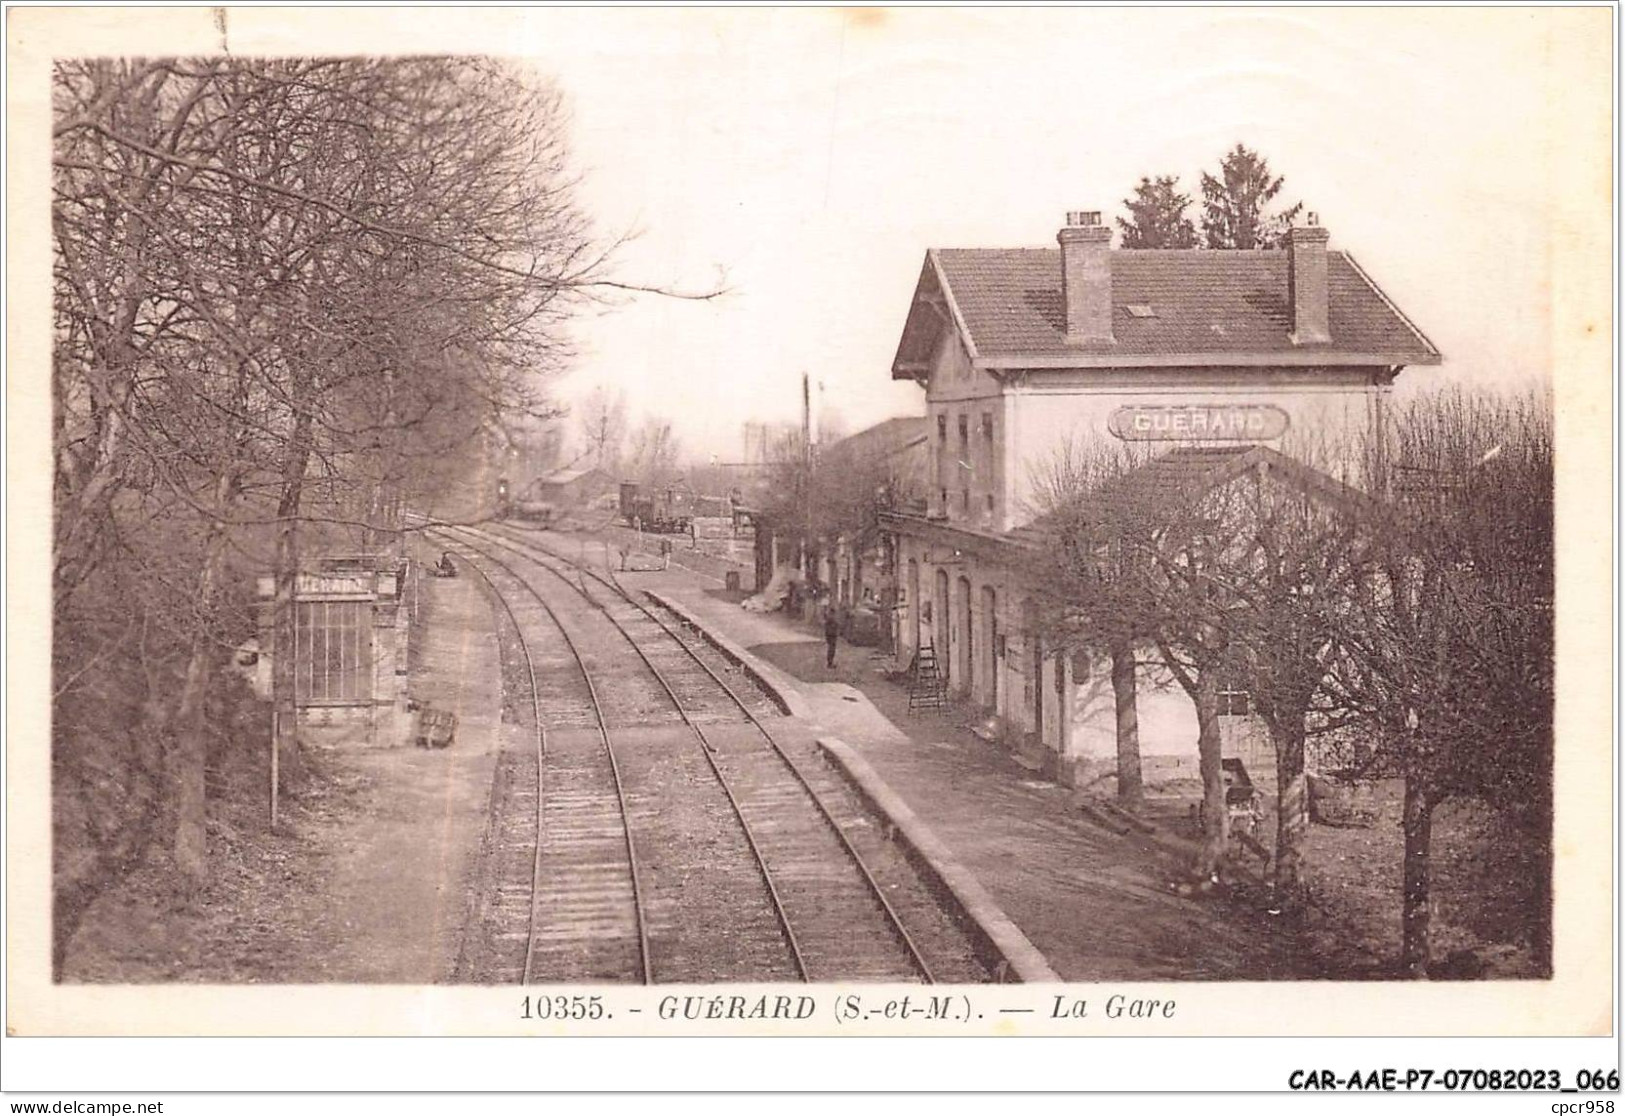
(987, 425)
(942, 428)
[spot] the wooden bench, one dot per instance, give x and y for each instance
(437, 728)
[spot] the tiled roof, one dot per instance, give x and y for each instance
(1201, 302)
(569, 474)
(886, 437)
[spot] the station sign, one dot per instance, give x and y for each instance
(1199, 422)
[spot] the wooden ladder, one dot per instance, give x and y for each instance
(927, 689)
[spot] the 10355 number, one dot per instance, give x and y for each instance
(563, 1007)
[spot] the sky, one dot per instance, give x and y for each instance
(807, 158)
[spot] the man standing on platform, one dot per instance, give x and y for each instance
(832, 632)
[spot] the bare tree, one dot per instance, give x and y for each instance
(1195, 625)
(603, 427)
(1451, 640)
(1095, 568)
(1305, 541)
(655, 452)
(1230, 561)
(1423, 622)
(285, 292)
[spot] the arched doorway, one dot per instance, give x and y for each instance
(939, 619)
(914, 604)
(990, 646)
(1034, 668)
(967, 640)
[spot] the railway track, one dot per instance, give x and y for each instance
(835, 919)
(704, 910)
(562, 894)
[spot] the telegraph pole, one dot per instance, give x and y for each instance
(806, 470)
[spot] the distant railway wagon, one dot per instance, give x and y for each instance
(664, 509)
(531, 511)
(667, 509)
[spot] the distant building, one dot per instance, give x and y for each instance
(1022, 352)
(569, 487)
(893, 458)
(881, 468)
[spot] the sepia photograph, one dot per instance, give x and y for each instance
(1045, 521)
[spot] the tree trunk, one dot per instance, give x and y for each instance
(1130, 786)
(372, 516)
(1418, 910)
(189, 748)
(83, 525)
(1291, 818)
(287, 573)
(1215, 817)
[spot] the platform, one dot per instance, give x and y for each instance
(1097, 905)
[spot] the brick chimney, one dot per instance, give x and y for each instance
(1086, 278)
(1306, 283)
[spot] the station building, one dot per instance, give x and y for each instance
(1024, 352)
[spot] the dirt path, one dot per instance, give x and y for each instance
(399, 882)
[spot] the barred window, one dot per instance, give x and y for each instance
(333, 652)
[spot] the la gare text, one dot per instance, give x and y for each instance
(1113, 1007)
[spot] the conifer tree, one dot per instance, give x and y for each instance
(1157, 216)
(1236, 205)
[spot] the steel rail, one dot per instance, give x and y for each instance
(647, 973)
(706, 748)
(892, 916)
